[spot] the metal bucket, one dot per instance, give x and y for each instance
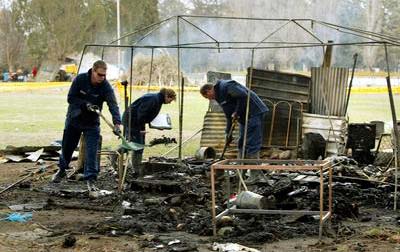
(205, 153)
(250, 200)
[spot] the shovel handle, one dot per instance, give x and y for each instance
(230, 135)
(110, 124)
(104, 118)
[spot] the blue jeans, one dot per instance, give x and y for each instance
(255, 127)
(70, 141)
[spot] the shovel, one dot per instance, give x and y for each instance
(234, 121)
(125, 144)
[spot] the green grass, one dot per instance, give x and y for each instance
(37, 118)
(372, 107)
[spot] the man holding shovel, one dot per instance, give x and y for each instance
(143, 110)
(88, 90)
(232, 97)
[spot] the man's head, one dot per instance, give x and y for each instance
(169, 95)
(207, 91)
(99, 71)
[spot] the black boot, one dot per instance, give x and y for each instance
(137, 164)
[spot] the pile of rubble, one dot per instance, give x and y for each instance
(177, 198)
(174, 196)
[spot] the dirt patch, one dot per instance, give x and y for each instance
(173, 208)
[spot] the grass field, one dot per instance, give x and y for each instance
(37, 117)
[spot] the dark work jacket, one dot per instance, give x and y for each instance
(143, 110)
(232, 97)
(82, 92)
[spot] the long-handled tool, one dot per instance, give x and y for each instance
(125, 144)
(229, 136)
(130, 146)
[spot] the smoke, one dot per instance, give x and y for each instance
(216, 32)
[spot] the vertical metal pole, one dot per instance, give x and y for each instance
(151, 69)
(395, 128)
(130, 98)
(181, 113)
(288, 125)
(214, 224)
(248, 105)
(118, 36)
(297, 136)
(81, 157)
(321, 201)
(181, 91)
(271, 130)
(351, 82)
(330, 192)
(126, 97)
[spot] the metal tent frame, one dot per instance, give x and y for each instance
(366, 38)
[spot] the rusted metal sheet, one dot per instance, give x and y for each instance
(332, 128)
(282, 124)
(328, 91)
(287, 96)
(278, 86)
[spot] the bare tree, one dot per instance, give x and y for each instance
(55, 29)
(373, 22)
(12, 40)
(163, 70)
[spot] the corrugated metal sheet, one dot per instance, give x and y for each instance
(332, 128)
(328, 91)
(213, 134)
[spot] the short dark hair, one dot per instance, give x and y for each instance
(205, 88)
(168, 92)
(99, 64)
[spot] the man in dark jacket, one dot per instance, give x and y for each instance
(142, 111)
(87, 90)
(232, 97)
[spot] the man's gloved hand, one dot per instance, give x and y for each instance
(91, 107)
(117, 130)
(228, 138)
(234, 117)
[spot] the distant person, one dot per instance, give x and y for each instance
(143, 110)
(6, 76)
(87, 90)
(34, 72)
(25, 74)
(232, 97)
